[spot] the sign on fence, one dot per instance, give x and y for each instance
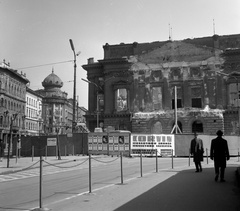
(51, 141)
(109, 143)
(148, 143)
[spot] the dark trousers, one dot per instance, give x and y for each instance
(198, 166)
(222, 171)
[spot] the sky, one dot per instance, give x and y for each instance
(35, 33)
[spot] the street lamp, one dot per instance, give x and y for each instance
(74, 84)
(98, 87)
(12, 118)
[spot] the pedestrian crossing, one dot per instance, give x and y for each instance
(33, 173)
(47, 170)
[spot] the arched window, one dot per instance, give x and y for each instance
(121, 99)
(1, 121)
(156, 128)
(197, 126)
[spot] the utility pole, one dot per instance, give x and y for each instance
(13, 117)
(74, 86)
(175, 127)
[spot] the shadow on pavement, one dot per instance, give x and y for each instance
(191, 191)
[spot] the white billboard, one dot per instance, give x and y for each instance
(147, 144)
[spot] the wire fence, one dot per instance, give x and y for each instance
(58, 166)
(104, 160)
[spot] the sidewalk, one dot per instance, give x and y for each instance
(169, 190)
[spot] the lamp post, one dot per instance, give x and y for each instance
(74, 86)
(98, 87)
(13, 117)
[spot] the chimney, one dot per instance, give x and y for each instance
(91, 60)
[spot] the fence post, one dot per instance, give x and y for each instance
(189, 159)
(32, 152)
(156, 160)
(207, 154)
(46, 149)
(56, 151)
(73, 151)
(238, 154)
(121, 162)
(16, 151)
(141, 163)
(90, 175)
(172, 158)
(40, 184)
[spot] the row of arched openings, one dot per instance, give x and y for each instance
(197, 126)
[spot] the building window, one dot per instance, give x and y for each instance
(196, 97)
(234, 94)
(121, 97)
(196, 102)
(197, 126)
(156, 128)
(1, 121)
(157, 98)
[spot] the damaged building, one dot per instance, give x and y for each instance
(142, 87)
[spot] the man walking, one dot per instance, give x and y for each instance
(219, 153)
(197, 151)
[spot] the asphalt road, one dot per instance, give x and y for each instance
(23, 194)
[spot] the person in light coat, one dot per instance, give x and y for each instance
(196, 149)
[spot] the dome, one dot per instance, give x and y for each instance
(52, 81)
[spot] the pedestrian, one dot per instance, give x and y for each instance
(220, 154)
(2, 147)
(196, 149)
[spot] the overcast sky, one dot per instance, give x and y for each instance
(37, 32)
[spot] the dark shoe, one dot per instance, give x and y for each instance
(200, 170)
(216, 178)
(222, 180)
(197, 171)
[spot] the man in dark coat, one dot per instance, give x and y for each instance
(219, 153)
(196, 149)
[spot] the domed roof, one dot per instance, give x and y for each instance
(52, 80)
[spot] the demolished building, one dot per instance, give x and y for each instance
(133, 87)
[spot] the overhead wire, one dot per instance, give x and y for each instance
(44, 65)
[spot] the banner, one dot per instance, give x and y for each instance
(148, 144)
(109, 143)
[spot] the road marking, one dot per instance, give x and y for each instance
(33, 173)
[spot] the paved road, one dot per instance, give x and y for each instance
(179, 188)
(60, 183)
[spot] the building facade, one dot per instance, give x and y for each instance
(56, 109)
(33, 113)
(137, 86)
(12, 101)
